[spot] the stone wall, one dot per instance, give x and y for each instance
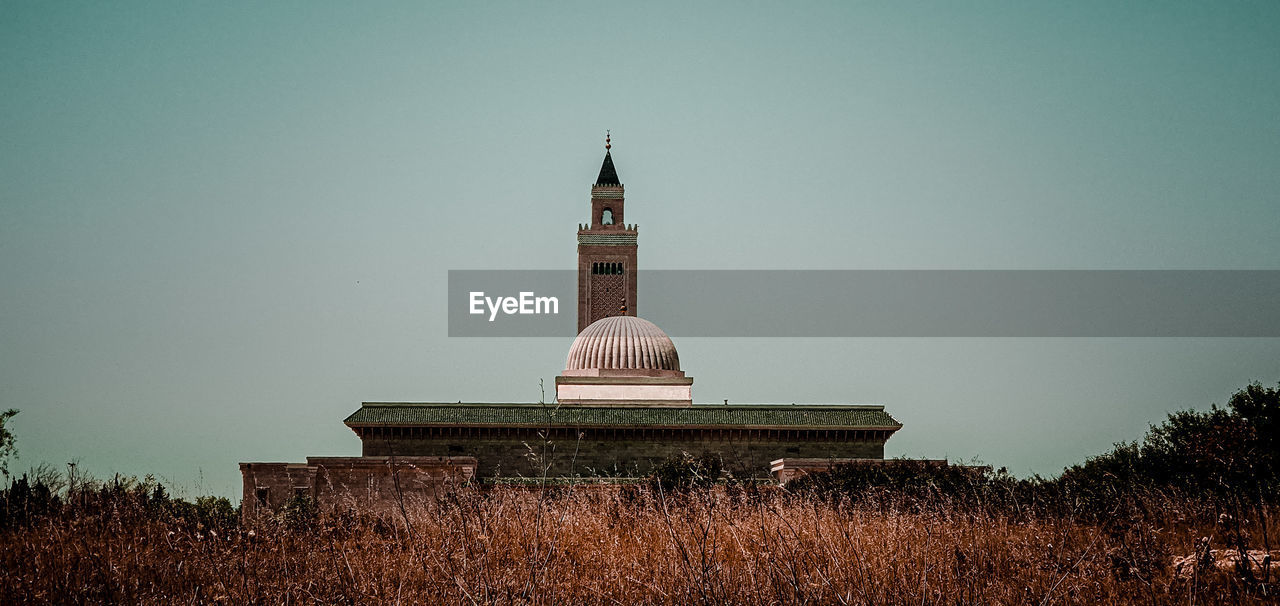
(517, 453)
(358, 483)
(268, 486)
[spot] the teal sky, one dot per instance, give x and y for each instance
(224, 225)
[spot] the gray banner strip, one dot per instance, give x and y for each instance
(872, 303)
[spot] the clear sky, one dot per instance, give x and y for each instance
(224, 225)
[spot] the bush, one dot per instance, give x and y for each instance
(122, 498)
(684, 472)
(1223, 463)
(299, 513)
(915, 485)
(24, 502)
(1226, 459)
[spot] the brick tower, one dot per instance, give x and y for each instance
(606, 252)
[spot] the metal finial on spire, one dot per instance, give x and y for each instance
(606, 141)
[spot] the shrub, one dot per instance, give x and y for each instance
(25, 501)
(684, 472)
(299, 513)
(1220, 464)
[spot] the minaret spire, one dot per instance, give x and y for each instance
(608, 174)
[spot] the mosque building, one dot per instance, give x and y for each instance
(622, 404)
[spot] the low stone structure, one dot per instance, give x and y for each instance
(342, 483)
(1258, 561)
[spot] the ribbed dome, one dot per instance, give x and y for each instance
(623, 342)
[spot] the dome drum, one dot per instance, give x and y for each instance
(621, 372)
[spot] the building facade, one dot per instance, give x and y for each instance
(509, 440)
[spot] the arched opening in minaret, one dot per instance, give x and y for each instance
(606, 217)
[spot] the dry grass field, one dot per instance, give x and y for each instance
(1183, 516)
(724, 545)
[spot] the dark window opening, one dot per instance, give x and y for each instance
(608, 269)
(606, 217)
(261, 495)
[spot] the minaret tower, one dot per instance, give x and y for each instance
(606, 252)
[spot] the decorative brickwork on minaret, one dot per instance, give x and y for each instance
(606, 252)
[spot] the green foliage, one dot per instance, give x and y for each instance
(33, 497)
(7, 446)
(1259, 408)
(217, 512)
(685, 472)
(206, 512)
(912, 485)
(25, 501)
(1220, 461)
(299, 513)
(1225, 457)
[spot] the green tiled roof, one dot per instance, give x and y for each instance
(706, 415)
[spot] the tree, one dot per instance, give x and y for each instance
(1260, 408)
(7, 447)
